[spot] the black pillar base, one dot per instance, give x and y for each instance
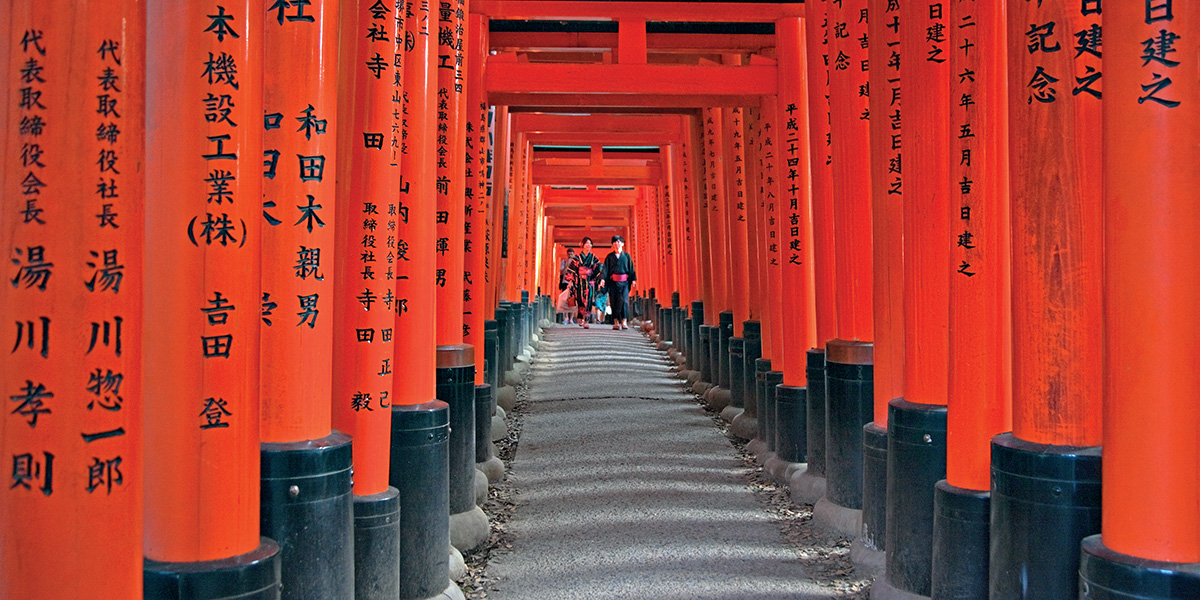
(815, 371)
(704, 353)
(250, 576)
(377, 546)
(875, 480)
(791, 441)
(761, 410)
(960, 543)
(768, 406)
(306, 506)
(420, 472)
(849, 405)
(483, 423)
(696, 355)
(685, 344)
(1105, 574)
(724, 332)
(491, 354)
(737, 373)
(916, 462)
(456, 387)
(751, 352)
(1045, 500)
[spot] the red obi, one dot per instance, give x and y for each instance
(621, 277)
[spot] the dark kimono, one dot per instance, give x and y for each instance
(619, 275)
(582, 275)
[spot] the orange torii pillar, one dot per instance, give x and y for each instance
(809, 485)
(980, 386)
(204, 292)
(742, 424)
(503, 220)
(791, 228)
(73, 209)
(497, 214)
(314, 528)
(916, 423)
(756, 355)
(887, 216)
(703, 312)
(790, 444)
(475, 246)
(455, 360)
(672, 191)
(364, 230)
(1046, 473)
(690, 271)
(721, 319)
(742, 190)
(420, 422)
(1150, 543)
(849, 356)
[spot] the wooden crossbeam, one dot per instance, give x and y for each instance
(684, 12)
(629, 79)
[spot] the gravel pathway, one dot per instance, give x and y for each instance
(624, 488)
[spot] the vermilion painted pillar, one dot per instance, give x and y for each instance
(416, 232)
(72, 300)
(367, 244)
(980, 384)
(420, 455)
(299, 208)
(1057, 233)
(849, 358)
(790, 119)
(455, 360)
(756, 231)
(738, 287)
(475, 146)
(365, 232)
(705, 315)
(693, 256)
(513, 266)
(477, 249)
(771, 219)
(718, 222)
(1150, 542)
(916, 452)
(734, 138)
(502, 164)
(887, 214)
(756, 361)
(810, 485)
(715, 181)
(448, 156)
(666, 193)
(203, 286)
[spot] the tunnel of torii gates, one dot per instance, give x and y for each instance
(210, 325)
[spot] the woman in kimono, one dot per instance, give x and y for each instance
(582, 274)
(619, 278)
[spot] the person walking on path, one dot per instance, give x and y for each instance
(620, 277)
(564, 285)
(583, 274)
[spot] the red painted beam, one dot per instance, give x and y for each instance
(583, 175)
(624, 101)
(655, 42)
(608, 139)
(694, 12)
(601, 123)
(610, 157)
(667, 80)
